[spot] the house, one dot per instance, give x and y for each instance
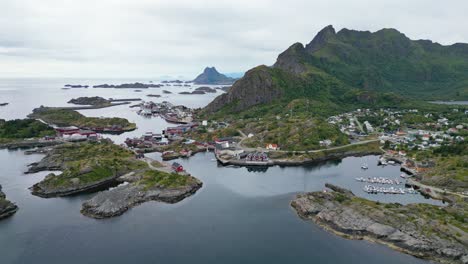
(67, 130)
(222, 144)
(177, 167)
(272, 146)
(325, 143)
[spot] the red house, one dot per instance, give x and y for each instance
(177, 167)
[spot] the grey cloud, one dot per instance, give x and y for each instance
(89, 38)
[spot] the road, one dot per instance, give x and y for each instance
(244, 137)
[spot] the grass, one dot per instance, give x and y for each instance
(154, 178)
(23, 128)
(65, 117)
(92, 162)
(431, 217)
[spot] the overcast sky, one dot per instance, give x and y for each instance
(151, 38)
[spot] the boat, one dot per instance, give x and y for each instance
(382, 161)
(404, 175)
(364, 166)
(391, 162)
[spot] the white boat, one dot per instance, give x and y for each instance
(382, 161)
(404, 176)
(364, 166)
(391, 162)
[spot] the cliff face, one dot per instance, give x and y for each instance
(212, 76)
(7, 208)
(292, 59)
(256, 87)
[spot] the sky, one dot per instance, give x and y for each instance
(162, 38)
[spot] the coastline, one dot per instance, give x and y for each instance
(339, 212)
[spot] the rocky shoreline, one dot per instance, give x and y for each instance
(45, 191)
(412, 229)
(299, 162)
(118, 200)
(7, 208)
(23, 144)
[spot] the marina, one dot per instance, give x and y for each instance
(388, 190)
(379, 180)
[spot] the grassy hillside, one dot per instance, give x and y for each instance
(23, 128)
(65, 117)
(350, 69)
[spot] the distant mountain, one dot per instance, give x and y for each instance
(354, 67)
(212, 76)
(235, 75)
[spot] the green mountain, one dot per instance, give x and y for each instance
(212, 76)
(353, 67)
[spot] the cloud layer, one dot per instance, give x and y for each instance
(150, 38)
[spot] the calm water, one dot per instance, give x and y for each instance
(237, 217)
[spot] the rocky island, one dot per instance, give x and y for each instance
(423, 230)
(136, 85)
(95, 100)
(68, 117)
(151, 185)
(85, 167)
(193, 92)
(211, 76)
(7, 208)
(95, 166)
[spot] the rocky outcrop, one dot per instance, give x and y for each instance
(291, 60)
(136, 85)
(193, 92)
(75, 186)
(256, 87)
(7, 208)
(212, 76)
(37, 143)
(95, 100)
(118, 200)
(76, 86)
(206, 89)
(321, 39)
(412, 229)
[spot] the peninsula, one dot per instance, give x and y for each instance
(96, 166)
(425, 231)
(67, 117)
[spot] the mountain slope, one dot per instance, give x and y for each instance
(212, 76)
(387, 60)
(354, 67)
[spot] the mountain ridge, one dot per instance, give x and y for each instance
(350, 65)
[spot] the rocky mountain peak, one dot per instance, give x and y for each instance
(290, 59)
(211, 76)
(321, 39)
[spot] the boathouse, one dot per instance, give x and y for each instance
(177, 167)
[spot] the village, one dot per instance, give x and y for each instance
(177, 114)
(398, 129)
